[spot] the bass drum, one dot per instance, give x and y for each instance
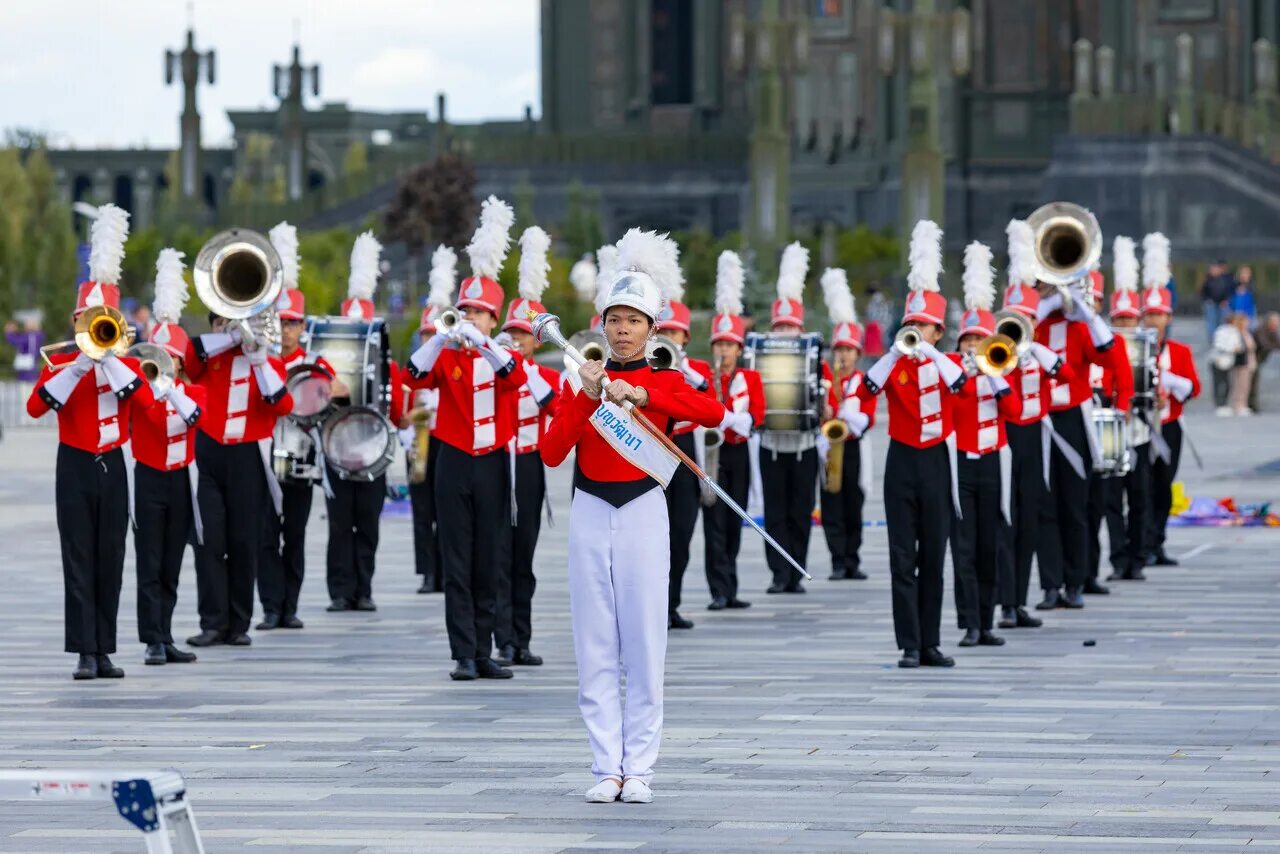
(359, 442)
(359, 354)
(311, 388)
(791, 370)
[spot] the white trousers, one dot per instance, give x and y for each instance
(619, 566)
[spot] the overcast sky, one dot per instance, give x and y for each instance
(90, 73)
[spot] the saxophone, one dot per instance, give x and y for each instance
(836, 432)
(420, 421)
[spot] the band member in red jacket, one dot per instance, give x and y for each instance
(741, 393)
(93, 399)
(164, 446)
(842, 509)
(513, 626)
(618, 538)
(479, 383)
(920, 487)
(980, 536)
(245, 393)
(1178, 384)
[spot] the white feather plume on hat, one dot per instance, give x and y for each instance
(673, 290)
(730, 280)
(1155, 260)
(838, 296)
(171, 288)
(924, 257)
(1022, 253)
(443, 277)
(107, 234)
(792, 271)
(654, 254)
(284, 238)
(488, 247)
(364, 267)
(979, 277)
(582, 275)
(607, 258)
(534, 243)
(1124, 265)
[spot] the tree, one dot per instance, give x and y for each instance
(14, 219)
(582, 230)
(51, 265)
(355, 162)
(324, 268)
(434, 203)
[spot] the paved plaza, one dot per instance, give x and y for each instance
(788, 725)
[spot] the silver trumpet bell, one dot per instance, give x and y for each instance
(158, 367)
(1017, 327)
(908, 341)
(448, 321)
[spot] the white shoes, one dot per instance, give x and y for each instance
(604, 792)
(636, 791)
(1223, 412)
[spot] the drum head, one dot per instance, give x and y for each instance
(311, 390)
(359, 442)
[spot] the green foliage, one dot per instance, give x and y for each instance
(15, 190)
(355, 162)
(867, 255)
(523, 206)
(581, 229)
(325, 267)
(50, 268)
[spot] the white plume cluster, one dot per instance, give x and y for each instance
(284, 238)
(107, 234)
(730, 281)
(534, 267)
(364, 267)
(171, 288)
(924, 256)
(488, 247)
(792, 271)
(1022, 253)
(1155, 260)
(1125, 264)
(443, 276)
(582, 275)
(979, 277)
(655, 254)
(838, 296)
(607, 258)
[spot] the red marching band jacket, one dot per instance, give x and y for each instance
(683, 427)
(920, 406)
(741, 391)
(1113, 379)
(670, 399)
(1032, 383)
(532, 419)
(237, 411)
(1176, 359)
(478, 405)
(1071, 340)
(93, 418)
(162, 438)
(848, 388)
(980, 415)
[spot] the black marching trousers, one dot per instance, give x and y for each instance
(1162, 477)
(162, 528)
(979, 541)
(284, 562)
(426, 548)
(683, 501)
(1026, 494)
(233, 498)
(721, 527)
(918, 511)
(842, 512)
(473, 511)
(1127, 526)
(1063, 550)
(1097, 512)
(355, 511)
(513, 617)
(91, 497)
(788, 481)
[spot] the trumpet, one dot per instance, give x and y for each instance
(158, 367)
(420, 421)
(908, 341)
(99, 330)
(996, 355)
(836, 432)
(448, 321)
(1017, 327)
(664, 353)
(712, 439)
(1068, 244)
(239, 276)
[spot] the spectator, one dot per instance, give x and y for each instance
(1214, 295)
(1222, 358)
(26, 342)
(1234, 354)
(879, 314)
(1242, 297)
(1267, 338)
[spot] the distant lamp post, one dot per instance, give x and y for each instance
(768, 48)
(935, 43)
(288, 84)
(188, 63)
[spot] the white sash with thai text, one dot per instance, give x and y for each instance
(632, 442)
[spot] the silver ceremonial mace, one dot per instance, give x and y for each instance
(546, 328)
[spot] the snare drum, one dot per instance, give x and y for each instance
(293, 453)
(1140, 344)
(359, 354)
(359, 442)
(1113, 442)
(791, 370)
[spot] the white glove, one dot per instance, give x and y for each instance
(853, 416)
(183, 405)
(215, 343)
(119, 375)
(257, 356)
(538, 387)
(739, 422)
(1179, 387)
(468, 332)
(424, 358)
(970, 365)
(270, 383)
(162, 391)
(695, 379)
(951, 372)
(235, 333)
(1048, 359)
(81, 366)
(879, 373)
(64, 382)
(406, 437)
(1048, 305)
(1080, 309)
(824, 446)
(993, 385)
(501, 359)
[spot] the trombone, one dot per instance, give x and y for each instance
(1068, 244)
(99, 330)
(664, 353)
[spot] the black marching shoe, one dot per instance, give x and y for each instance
(364, 603)
(291, 622)
(465, 671)
(1026, 621)
(155, 654)
(239, 639)
(777, 588)
(1135, 574)
(933, 657)
(173, 655)
(206, 638)
(1093, 588)
(675, 621)
(795, 588)
(856, 575)
(718, 604)
(1052, 599)
(989, 638)
(1074, 599)
(837, 575)
(970, 638)
(489, 669)
(525, 658)
(1161, 559)
(910, 658)
(1116, 575)
(86, 668)
(1008, 618)
(270, 620)
(107, 670)
(337, 605)
(506, 655)
(737, 604)
(428, 585)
